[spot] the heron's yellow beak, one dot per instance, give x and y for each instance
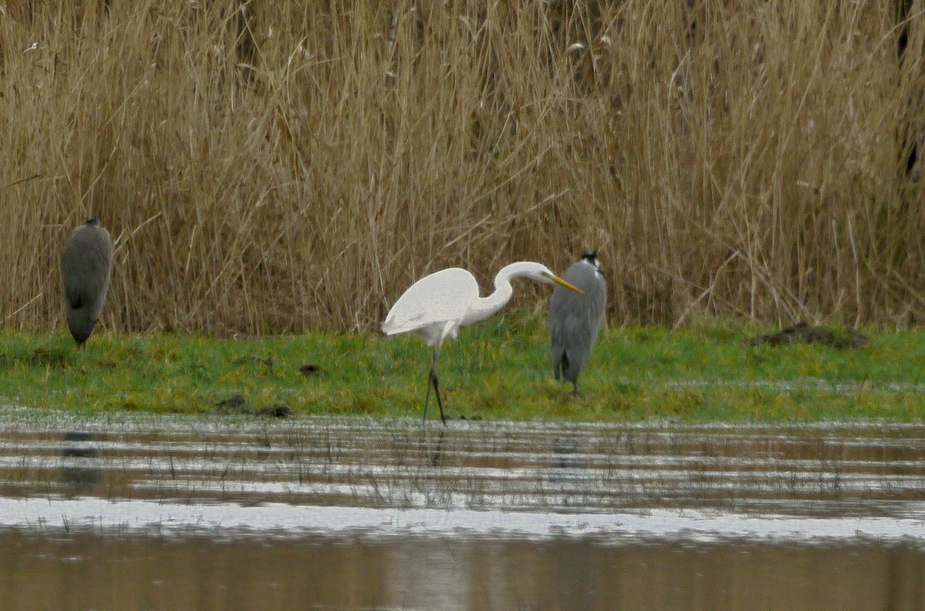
(566, 285)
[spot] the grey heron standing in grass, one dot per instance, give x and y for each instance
(436, 306)
(575, 319)
(86, 269)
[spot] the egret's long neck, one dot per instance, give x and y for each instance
(486, 306)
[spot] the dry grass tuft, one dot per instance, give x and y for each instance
(271, 167)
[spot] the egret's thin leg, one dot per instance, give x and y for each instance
(427, 398)
(433, 380)
(436, 383)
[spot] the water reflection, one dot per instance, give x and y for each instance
(216, 513)
(81, 460)
(80, 571)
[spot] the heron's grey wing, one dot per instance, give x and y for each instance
(575, 320)
(86, 269)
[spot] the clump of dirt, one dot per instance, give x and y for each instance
(310, 370)
(233, 404)
(237, 405)
(279, 410)
(806, 333)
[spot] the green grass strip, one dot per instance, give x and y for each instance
(497, 370)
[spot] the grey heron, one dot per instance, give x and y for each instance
(437, 305)
(86, 270)
(575, 320)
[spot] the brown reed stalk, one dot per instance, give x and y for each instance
(276, 167)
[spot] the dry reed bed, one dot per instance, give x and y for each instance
(272, 167)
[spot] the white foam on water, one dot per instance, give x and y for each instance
(278, 519)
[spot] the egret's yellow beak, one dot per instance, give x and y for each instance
(566, 285)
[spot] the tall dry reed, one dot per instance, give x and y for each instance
(279, 166)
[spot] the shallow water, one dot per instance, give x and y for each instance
(143, 512)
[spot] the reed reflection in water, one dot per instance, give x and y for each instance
(84, 571)
(118, 512)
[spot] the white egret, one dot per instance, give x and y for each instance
(436, 306)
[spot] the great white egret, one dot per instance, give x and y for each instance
(86, 269)
(574, 320)
(436, 306)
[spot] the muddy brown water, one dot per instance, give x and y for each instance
(142, 512)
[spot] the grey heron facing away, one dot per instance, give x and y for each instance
(575, 320)
(437, 305)
(86, 270)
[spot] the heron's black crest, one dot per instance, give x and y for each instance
(591, 259)
(92, 221)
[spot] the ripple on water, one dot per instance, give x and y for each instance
(386, 478)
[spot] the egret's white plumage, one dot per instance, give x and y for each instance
(436, 306)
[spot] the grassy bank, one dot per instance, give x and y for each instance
(498, 370)
(282, 167)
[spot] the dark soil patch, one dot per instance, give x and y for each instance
(806, 333)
